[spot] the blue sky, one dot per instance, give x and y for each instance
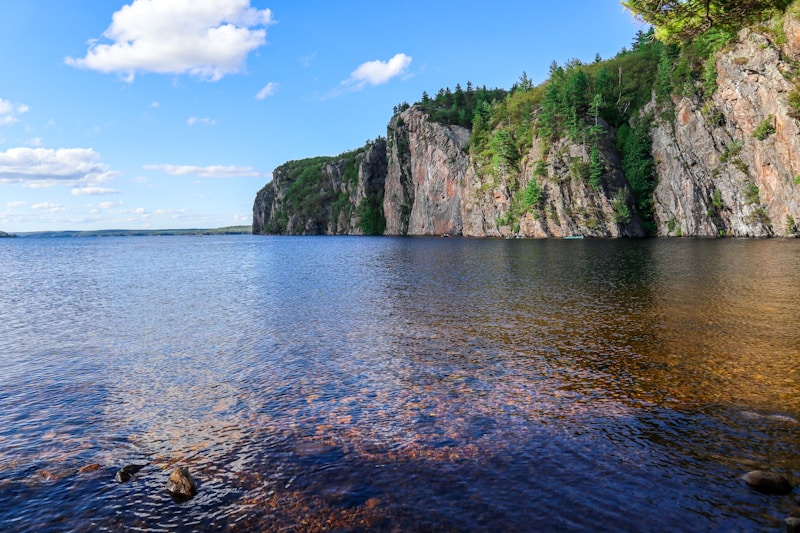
(173, 113)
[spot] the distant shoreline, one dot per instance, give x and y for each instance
(228, 230)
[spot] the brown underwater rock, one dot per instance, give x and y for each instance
(768, 482)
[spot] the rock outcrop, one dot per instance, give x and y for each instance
(729, 166)
(726, 164)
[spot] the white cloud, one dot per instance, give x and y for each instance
(213, 171)
(196, 120)
(42, 167)
(93, 191)
(268, 90)
(35, 141)
(155, 105)
(373, 73)
(139, 210)
(15, 204)
(205, 38)
(379, 72)
(49, 207)
(108, 205)
(9, 112)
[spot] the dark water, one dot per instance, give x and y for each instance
(354, 384)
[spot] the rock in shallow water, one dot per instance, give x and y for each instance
(181, 484)
(767, 482)
(127, 472)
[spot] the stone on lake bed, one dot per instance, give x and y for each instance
(89, 468)
(792, 524)
(768, 482)
(181, 484)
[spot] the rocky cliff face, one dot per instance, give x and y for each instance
(427, 165)
(323, 196)
(729, 166)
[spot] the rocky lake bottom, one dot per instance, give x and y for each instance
(398, 384)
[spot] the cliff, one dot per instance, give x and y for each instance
(719, 157)
(325, 195)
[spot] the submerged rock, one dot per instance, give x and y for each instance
(792, 524)
(768, 482)
(181, 484)
(89, 468)
(126, 472)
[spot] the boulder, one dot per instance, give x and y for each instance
(181, 484)
(768, 482)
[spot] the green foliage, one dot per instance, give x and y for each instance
(765, 128)
(639, 167)
(682, 20)
(794, 102)
(372, 220)
(306, 194)
(622, 213)
(533, 193)
(716, 199)
(791, 225)
(596, 169)
(458, 107)
(732, 149)
(751, 193)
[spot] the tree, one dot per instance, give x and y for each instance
(680, 20)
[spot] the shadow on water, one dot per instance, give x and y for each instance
(361, 384)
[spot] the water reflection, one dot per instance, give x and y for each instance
(448, 384)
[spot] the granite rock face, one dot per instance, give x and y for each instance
(728, 166)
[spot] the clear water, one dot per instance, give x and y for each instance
(390, 384)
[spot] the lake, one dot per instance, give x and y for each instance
(398, 384)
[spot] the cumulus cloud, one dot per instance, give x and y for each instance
(108, 205)
(204, 38)
(213, 171)
(197, 120)
(268, 90)
(43, 167)
(373, 73)
(93, 191)
(10, 112)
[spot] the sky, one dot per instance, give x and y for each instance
(135, 114)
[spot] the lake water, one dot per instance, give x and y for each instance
(398, 384)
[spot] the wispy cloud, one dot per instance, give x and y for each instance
(10, 112)
(207, 39)
(94, 191)
(42, 167)
(200, 120)
(373, 73)
(268, 90)
(49, 207)
(213, 171)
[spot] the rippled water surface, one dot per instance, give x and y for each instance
(386, 384)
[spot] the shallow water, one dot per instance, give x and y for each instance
(395, 384)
